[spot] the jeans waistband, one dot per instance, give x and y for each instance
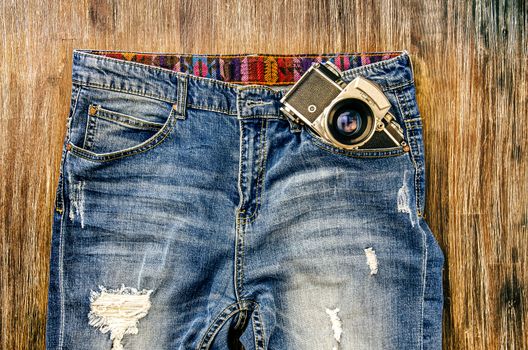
(242, 85)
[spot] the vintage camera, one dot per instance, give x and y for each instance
(350, 116)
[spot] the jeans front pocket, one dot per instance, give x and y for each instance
(327, 146)
(108, 130)
(109, 124)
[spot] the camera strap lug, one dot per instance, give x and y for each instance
(295, 122)
(393, 130)
(290, 115)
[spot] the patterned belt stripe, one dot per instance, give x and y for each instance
(248, 68)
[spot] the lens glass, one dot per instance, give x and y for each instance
(350, 121)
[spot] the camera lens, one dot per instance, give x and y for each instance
(350, 121)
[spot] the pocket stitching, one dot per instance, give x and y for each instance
(148, 144)
(378, 153)
(124, 119)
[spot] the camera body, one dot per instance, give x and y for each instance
(350, 116)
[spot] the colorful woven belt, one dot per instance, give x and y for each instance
(262, 69)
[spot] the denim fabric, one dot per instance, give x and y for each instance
(191, 214)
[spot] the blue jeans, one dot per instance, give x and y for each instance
(190, 213)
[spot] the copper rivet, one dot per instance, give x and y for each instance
(175, 106)
(406, 148)
(68, 147)
(92, 110)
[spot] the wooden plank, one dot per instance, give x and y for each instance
(470, 60)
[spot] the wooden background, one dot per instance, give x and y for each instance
(470, 60)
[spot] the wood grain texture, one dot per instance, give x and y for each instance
(470, 61)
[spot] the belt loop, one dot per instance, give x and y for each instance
(181, 103)
(238, 102)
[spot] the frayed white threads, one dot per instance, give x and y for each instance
(118, 311)
(336, 325)
(77, 201)
(404, 199)
(372, 260)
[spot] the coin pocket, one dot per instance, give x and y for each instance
(108, 131)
